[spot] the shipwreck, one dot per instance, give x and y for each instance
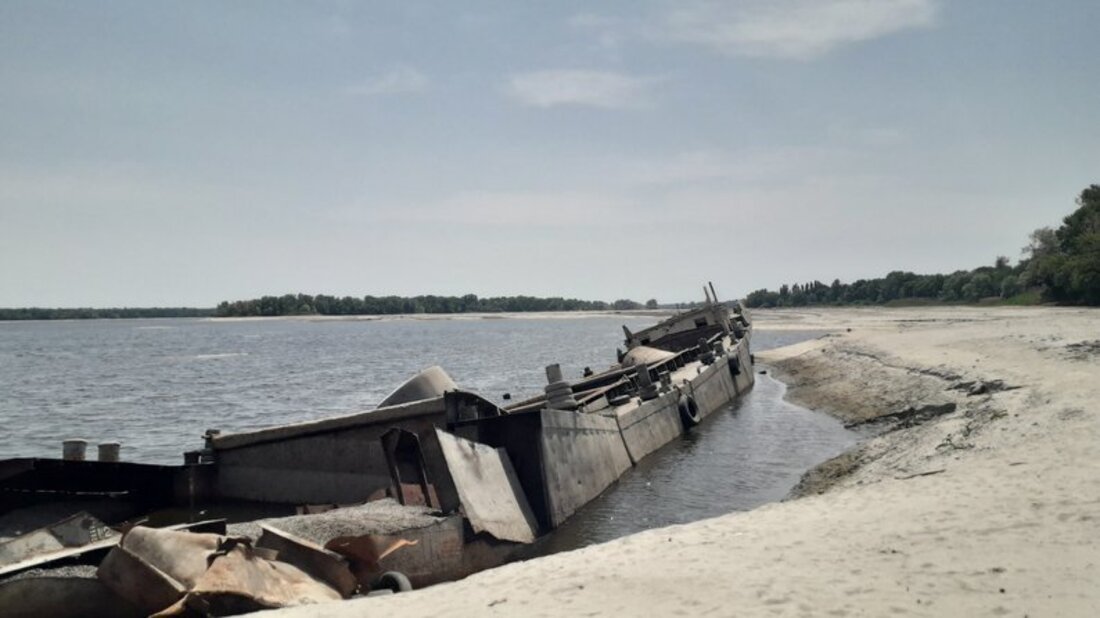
(435, 484)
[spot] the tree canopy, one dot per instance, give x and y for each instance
(88, 313)
(1065, 262)
(1060, 265)
(321, 304)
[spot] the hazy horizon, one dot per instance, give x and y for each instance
(184, 154)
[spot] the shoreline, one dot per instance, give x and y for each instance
(503, 315)
(977, 496)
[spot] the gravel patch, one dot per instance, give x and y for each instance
(83, 571)
(378, 517)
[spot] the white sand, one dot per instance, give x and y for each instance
(991, 510)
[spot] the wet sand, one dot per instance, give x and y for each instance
(981, 496)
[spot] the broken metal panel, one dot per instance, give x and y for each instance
(183, 556)
(443, 546)
(169, 573)
(93, 552)
(140, 583)
(519, 434)
(240, 581)
(318, 562)
(35, 543)
(492, 498)
(74, 531)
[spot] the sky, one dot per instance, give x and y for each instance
(185, 153)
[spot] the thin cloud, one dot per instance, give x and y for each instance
(792, 29)
(609, 32)
(602, 89)
(400, 80)
(518, 209)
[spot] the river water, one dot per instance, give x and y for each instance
(157, 385)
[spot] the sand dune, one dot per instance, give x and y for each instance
(987, 507)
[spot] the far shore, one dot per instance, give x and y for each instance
(978, 496)
(507, 315)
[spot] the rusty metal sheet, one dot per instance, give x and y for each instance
(239, 581)
(491, 496)
(169, 573)
(140, 583)
(318, 562)
(94, 551)
(74, 531)
(183, 556)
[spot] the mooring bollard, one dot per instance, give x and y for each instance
(646, 388)
(73, 449)
(108, 451)
(559, 394)
(706, 354)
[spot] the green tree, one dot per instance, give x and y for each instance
(1010, 286)
(1066, 262)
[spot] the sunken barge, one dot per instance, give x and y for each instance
(436, 483)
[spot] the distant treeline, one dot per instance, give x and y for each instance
(321, 304)
(86, 313)
(304, 304)
(1060, 266)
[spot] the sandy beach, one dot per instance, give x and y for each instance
(980, 496)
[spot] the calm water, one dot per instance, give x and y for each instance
(750, 454)
(157, 385)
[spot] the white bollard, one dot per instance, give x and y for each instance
(74, 449)
(108, 451)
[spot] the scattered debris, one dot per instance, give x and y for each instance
(318, 562)
(74, 531)
(916, 474)
(1083, 350)
(169, 573)
(982, 387)
(951, 443)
